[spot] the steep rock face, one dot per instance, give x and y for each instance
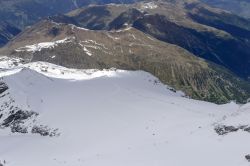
(125, 19)
(230, 52)
(131, 49)
(233, 24)
(7, 32)
(3, 87)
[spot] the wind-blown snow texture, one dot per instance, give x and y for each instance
(117, 118)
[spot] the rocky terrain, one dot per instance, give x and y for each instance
(130, 49)
(22, 13)
(16, 15)
(19, 118)
(7, 32)
(209, 33)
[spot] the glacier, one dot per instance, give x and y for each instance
(115, 118)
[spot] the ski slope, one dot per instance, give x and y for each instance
(115, 118)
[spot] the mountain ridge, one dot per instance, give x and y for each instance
(128, 49)
(240, 7)
(7, 32)
(202, 30)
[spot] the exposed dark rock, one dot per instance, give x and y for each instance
(3, 87)
(54, 31)
(242, 127)
(248, 157)
(127, 17)
(247, 129)
(45, 131)
(62, 19)
(17, 128)
(42, 130)
(14, 118)
(7, 32)
(2, 163)
(223, 129)
(17, 118)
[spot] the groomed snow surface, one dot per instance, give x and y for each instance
(118, 118)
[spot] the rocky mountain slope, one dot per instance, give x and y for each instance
(22, 13)
(112, 117)
(7, 32)
(26, 12)
(210, 33)
(240, 7)
(130, 49)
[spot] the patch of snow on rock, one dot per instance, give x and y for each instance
(43, 45)
(87, 51)
(149, 5)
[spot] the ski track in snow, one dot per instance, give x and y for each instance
(117, 118)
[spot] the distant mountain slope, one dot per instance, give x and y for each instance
(210, 33)
(22, 13)
(113, 118)
(130, 49)
(240, 7)
(7, 32)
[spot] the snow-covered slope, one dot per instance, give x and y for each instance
(113, 118)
